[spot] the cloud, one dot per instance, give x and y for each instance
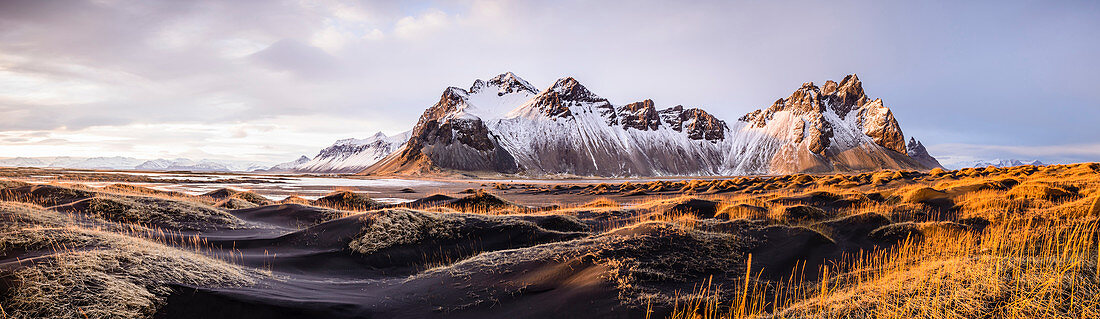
(303, 60)
(971, 73)
(421, 25)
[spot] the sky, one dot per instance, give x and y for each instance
(269, 81)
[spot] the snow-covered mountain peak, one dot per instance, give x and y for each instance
(502, 84)
(570, 90)
(357, 141)
(452, 103)
(915, 149)
(640, 116)
(347, 155)
(845, 96)
(453, 94)
(697, 123)
(804, 100)
(289, 166)
(842, 98)
(824, 120)
(497, 97)
(913, 145)
(565, 99)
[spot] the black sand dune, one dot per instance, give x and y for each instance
(385, 242)
(287, 215)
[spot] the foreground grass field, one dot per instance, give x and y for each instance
(1018, 242)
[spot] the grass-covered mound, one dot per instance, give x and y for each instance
(345, 200)
(68, 271)
(45, 195)
(482, 201)
(403, 234)
(224, 194)
(153, 211)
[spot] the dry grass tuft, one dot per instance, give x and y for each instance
(94, 273)
(128, 280)
(1020, 242)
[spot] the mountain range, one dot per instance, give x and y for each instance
(130, 163)
(996, 163)
(505, 125)
(352, 155)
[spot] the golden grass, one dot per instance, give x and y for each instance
(1038, 258)
(98, 273)
(129, 279)
(1011, 271)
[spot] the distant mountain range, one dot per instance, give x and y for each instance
(996, 163)
(129, 163)
(507, 126)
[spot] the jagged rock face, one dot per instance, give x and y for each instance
(469, 132)
(556, 102)
(599, 139)
(553, 105)
(671, 117)
(571, 90)
(640, 116)
(799, 131)
(846, 96)
(698, 124)
(804, 100)
(820, 134)
(448, 104)
(449, 138)
(916, 151)
(842, 99)
(835, 127)
(878, 122)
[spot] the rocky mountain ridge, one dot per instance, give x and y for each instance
(567, 129)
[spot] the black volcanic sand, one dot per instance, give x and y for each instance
(423, 259)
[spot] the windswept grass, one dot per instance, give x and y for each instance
(72, 271)
(1038, 257)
